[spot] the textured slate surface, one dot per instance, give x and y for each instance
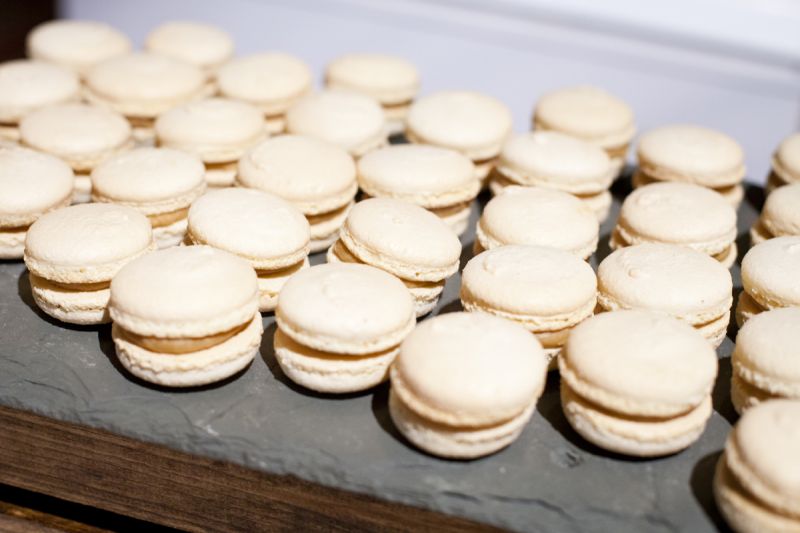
(549, 480)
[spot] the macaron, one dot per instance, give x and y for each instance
(769, 277)
(557, 161)
(671, 279)
(143, 85)
(466, 384)
(538, 216)
(82, 135)
(349, 119)
(547, 291)
(766, 358)
(185, 316)
(757, 481)
(73, 253)
(403, 239)
(267, 231)
(591, 114)
(76, 44)
(780, 216)
(271, 81)
(203, 45)
(692, 154)
(678, 213)
(438, 179)
(26, 85)
(31, 184)
(217, 130)
(785, 163)
(340, 326)
(391, 80)
(475, 124)
(637, 382)
(317, 177)
(160, 183)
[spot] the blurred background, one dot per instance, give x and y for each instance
(727, 64)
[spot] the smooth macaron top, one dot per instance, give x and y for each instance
(202, 45)
(469, 369)
(426, 175)
(586, 112)
(403, 238)
(665, 277)
(768, 350)
(691, 153)
(265, 229)
(555, 159)
(770, 272)
(781, 212)
(154, 180)
(269, 80)
(530, 280)
(77, 44)
(786, 160)
(388, 79)
(316, 176)
(184, 291)
(345, 308)
(475, 124)
(86, 243)
(217, 130)
(639, 363)
(26, 85)
(539, 216)
(31, 183)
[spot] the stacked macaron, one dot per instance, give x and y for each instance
(185, 316)
(466, 384)
(217, 130)
(637, 382)
(160, 183)
(558, 161)
(785, 163)
(678, 213)
(403, 239)
(779, 217)
(756, 481)
(340, 326)
(317, 177)
(267, 231)
(202, 45)
(692, 154)
(769, 277)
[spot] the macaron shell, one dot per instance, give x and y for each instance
(769, 272)
(780, 215)
(170, 235)
(202, 45)
(77, 44)
(389, 79)
(71, 306)
(325, 227)
(745, 396)
(26, 85)
(270, 284)
(786, 161)
(12, 244)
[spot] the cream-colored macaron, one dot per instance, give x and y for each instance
(160, 183)
(785, 163)
(438, 179)
(27, 85)
(185, 316)
(671, 279)
(757, 482)
(340, 326)
(73, 253)
(637, 382)
(319, 178)
(403, 239)
(538, 216)
(267, 231)
(271, 81)
(466, 384)
(548, 291)
(591, 114)
(558, 161)
(780, 215)
(76, 44)
(217, 130)
(678, 213)
(769, 277)
(346, 118)
(475, 124)
(202, 45)
(31, 184)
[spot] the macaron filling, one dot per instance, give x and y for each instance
(180, 345)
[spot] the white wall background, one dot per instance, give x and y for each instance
(728, 64)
